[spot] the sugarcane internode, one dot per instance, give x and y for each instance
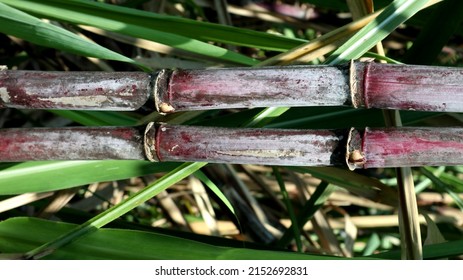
(104, 91)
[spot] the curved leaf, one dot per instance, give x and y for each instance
(392, 16)
(77, 10)
(22, 234)
(55, 175)
(135, 23)
(19, 24)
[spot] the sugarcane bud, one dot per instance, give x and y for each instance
(166, 108)
(356, 157)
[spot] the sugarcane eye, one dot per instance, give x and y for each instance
(356, 157)
(166, 108)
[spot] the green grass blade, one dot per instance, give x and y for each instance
(56, 175)
(442, 24)
(295, 223)
(432, 251)
(97, 118)
(23, 234)
(213, 187)
(452, 180)
(117, 211)
(203, 31)
(321, 118)
(393, 15)
(442, 187)
(16, 23)
(266, 116)
(109, 21)
(312, 205)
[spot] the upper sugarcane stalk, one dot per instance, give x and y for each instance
(359, 84)
(115, 91)
(354, 148)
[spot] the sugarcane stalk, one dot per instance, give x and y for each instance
(354, 148)
(360, 85)
(76, 143)
(244, 145)
(106, 91)
(186, 90)
(411, 146)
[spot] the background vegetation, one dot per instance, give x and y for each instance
(197, 211)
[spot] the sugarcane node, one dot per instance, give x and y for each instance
(149, 142)
(354, 155)
(3, 68)
(3, 92)
(356, 80)
(160, 88)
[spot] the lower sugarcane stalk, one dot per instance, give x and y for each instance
(245, 146)
(77, 143)
(411, 146)
(367, 148)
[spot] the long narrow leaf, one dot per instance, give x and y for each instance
(204, 31)
(117, 211)
(433, 251)
(213, 187)
(109, 21)
(392, 16)
(443, 23)
(55, 175)
(295, 222)
(16, 23)
(23, 234)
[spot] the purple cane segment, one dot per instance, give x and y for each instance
(411, 146)
(247, 146)
(367, 85)
(108, 91)
(359, 148)
(76, 143)
(261, 87)
(409, 87)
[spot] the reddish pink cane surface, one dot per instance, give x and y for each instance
(412, 147)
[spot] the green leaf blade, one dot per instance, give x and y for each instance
(392, 16)
(16, 23)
